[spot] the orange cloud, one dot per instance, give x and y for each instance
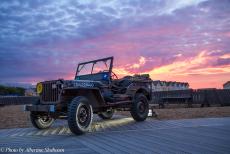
(123, 71)
(225, 56)
(142, 61)
(195, 65)
(187, 70)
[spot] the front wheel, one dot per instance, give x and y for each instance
(106, 115)
(80, 115)
(41, 121)
(140, 108)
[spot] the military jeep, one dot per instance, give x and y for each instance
(96, 89)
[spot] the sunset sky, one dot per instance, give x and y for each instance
(173, 40)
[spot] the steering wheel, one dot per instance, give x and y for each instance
(113, 75)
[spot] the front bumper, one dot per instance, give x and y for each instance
(40, 108)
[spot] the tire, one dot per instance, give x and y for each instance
(106, 115)
(41, 122)
(80, 115)
(140, 107)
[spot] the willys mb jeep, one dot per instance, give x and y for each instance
(96, 89)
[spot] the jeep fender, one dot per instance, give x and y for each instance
(92, 94)
(145, 92)
(135, 90)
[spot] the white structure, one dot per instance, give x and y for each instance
(169, 85)
(30, 92)
(226, 85)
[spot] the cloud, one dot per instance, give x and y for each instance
(142, 61)
(35, 21)
(41, 40)
(203, 64)
(200, 64)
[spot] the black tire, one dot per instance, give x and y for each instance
(41, 122)
(106, 115)
(140, 108)
(80, 115)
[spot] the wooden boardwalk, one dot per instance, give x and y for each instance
(123, 135)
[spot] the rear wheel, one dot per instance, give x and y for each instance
(106, 115)
(80, 115)
(41, 121)
(140, 108)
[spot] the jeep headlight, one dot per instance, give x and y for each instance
(39, 88)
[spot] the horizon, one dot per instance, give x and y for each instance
(183, 41)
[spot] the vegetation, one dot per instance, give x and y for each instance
(11, 90)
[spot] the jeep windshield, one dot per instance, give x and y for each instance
(94, 67)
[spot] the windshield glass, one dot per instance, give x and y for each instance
(85, 69)
(94, 67)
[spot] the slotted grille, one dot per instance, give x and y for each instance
(50, 92)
